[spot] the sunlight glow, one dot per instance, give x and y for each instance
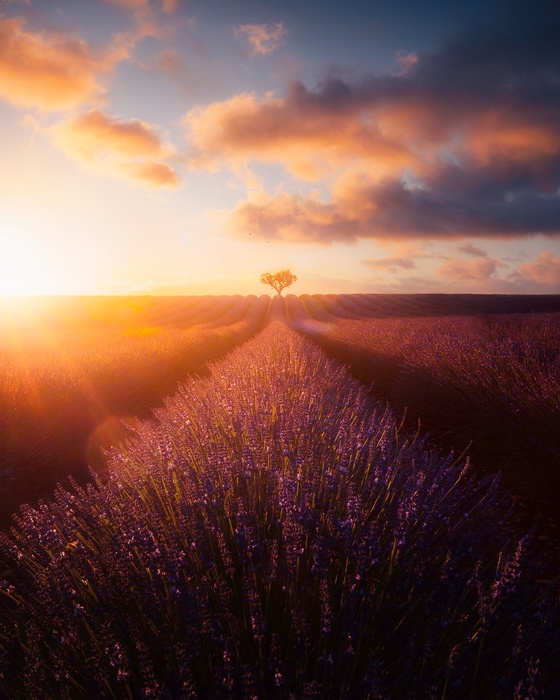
(22, 266)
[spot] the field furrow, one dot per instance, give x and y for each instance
(235, 313)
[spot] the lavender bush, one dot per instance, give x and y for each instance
(274, 534)
(57, 386)
(493, 380)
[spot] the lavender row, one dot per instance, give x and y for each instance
(274, 533)
(60, 390)
(491, 381)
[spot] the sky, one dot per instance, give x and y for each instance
(187, 146)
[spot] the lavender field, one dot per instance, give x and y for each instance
(273, 523)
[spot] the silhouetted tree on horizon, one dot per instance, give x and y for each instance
(279, 280)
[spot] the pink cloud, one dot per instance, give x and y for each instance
(143, 6)
(130, 4)
(310, 142)
(170, 61)
(545, 270)
(287, 218)
(393, 264)
(170, 6)
(470, 249)
(457, 269)
(263, 38)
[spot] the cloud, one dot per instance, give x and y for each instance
(391, 263)
(55, 72)
(405, 61)
(142, 7)
(545, 270)
(464, 142)
(263, 38)
(462, 270)
(132, 148)
(92, 133)
(170, 6)
(470, 249)
(130, 4)
(171, 62)
(390, 211)
(46, 71)
(153, 174)
(286, 218)
(309, 141)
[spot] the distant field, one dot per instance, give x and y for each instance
(263, 523)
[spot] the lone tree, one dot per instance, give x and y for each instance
(279, 280)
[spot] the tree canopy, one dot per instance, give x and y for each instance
(279, 280)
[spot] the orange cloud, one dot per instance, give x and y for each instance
(385, 127)
(460, 142)
(545, 270)
(516, 135)
(388, 210)
(310, 143)
(132, 148)
(153, 174)
(93, 133)
(46, 71)
(263, 38)
(457, 269)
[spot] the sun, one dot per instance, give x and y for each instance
(22, 266)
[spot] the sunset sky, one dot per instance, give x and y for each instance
(187, 146)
